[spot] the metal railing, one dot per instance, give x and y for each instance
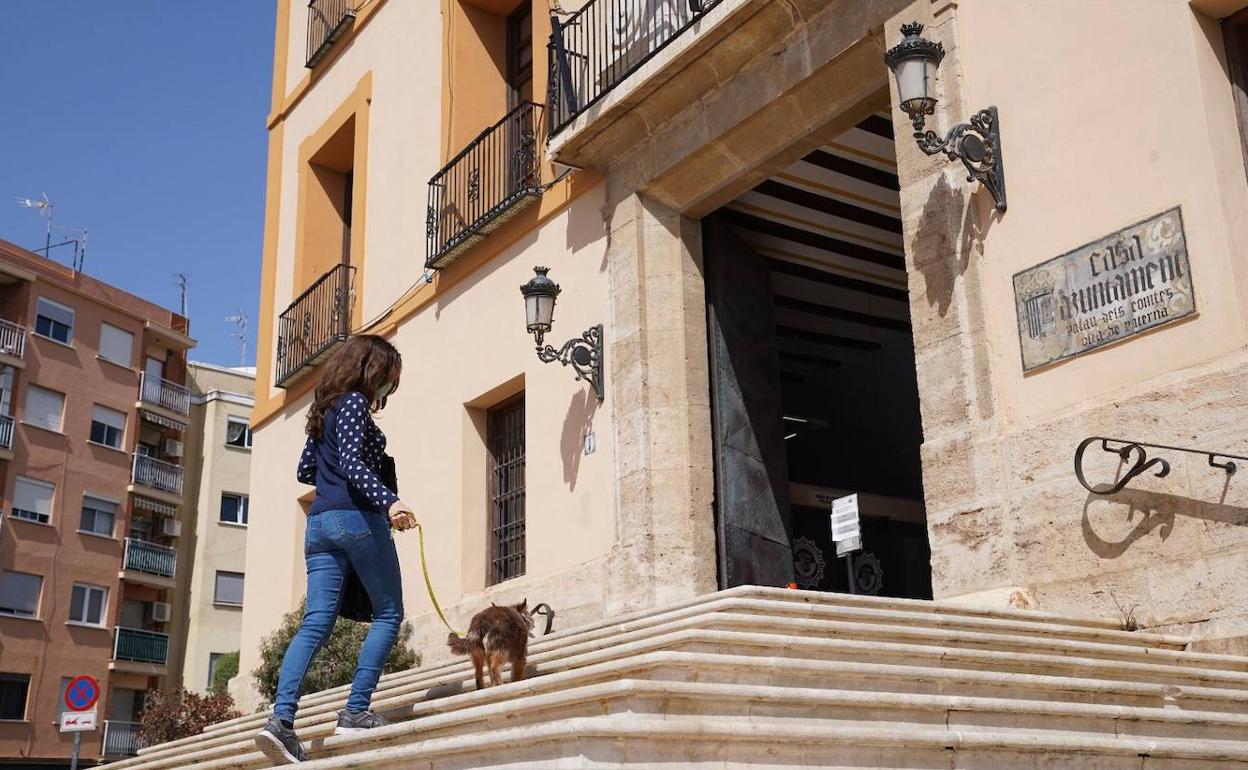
(12, 339)
(328, 21)
(480, 187)
(157, 474)
(151, 558)
(6, 431)
(163, 393)
(135, 644)
(594, 49)
(121, 739)
(313, 325)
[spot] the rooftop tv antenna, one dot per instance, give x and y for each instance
(45, 208)
(183, 282)
(239, 320)
(77, 235)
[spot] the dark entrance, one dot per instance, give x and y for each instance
(813, 387)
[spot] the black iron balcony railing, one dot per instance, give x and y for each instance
(6, 431)
(594, 49)
(140, 646)
(484, 185)
(121, 739)
(314, 324)
(328, 20)
(151, 558)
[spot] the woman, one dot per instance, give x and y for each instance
(348, 530)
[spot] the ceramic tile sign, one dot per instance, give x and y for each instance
(1125, 283)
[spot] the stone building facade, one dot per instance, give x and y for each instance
(797, 302)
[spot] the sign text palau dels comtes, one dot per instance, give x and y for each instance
(1123, 284)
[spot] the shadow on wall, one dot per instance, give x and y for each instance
(1155, 511)
(578, 421)
(950, 231)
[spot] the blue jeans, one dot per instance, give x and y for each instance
(336, 542)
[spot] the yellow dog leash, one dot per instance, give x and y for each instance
(424, 569)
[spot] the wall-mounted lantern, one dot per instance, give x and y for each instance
(977, 144)
(583, 353)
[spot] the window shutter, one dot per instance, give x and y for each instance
(44, 407)
(116, 345)
(36, 496)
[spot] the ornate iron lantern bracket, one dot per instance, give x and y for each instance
(1134, 452)
(583, 354)
(977, 144)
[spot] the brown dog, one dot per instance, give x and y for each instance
(495, 636)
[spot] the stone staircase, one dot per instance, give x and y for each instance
(757, 677)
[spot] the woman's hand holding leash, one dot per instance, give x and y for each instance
(402, 517)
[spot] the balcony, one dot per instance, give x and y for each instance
(121, 739)
(594, 49)
(156, 478)
(314, 324)
(139, 652)
(328, 21)
(491, 180)
(163, 395)
(12, 344)
(6, 437)
(149, 563)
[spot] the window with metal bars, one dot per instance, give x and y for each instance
(505, 441)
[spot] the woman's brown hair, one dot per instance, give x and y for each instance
(364, 363)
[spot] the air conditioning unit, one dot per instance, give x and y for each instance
(173, 447)
(160, 612)
(171, 528)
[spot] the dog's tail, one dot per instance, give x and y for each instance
(462, 645)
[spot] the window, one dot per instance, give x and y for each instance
(238, 433)
(520, 56)
(44, 408)
(54, 321)
(19, 593)
(108, 426)
(1236, 32)
(233, 508)
(116, 345)
(61, 708)
(98, 516)
(505, 440)
(32, 500)
(13, 691)
(229, 589)
(87, 604)
(213, 659)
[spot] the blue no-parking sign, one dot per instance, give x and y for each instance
(82, 693)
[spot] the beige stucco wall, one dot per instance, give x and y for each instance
(463, 351)
(1094, 139)
(213, 468)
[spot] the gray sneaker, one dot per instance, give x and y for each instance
(354, 723)
(279, 743)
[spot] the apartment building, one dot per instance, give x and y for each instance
(92, 419)
(214, 536)
(785, 277)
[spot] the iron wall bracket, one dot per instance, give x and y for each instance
(977, 144)
(1134, 453)
(583, 354)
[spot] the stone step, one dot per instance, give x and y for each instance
(761, 599)
(1075, 697)
(635, 740)
(948, 646)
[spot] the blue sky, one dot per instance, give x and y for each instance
(144, 122)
